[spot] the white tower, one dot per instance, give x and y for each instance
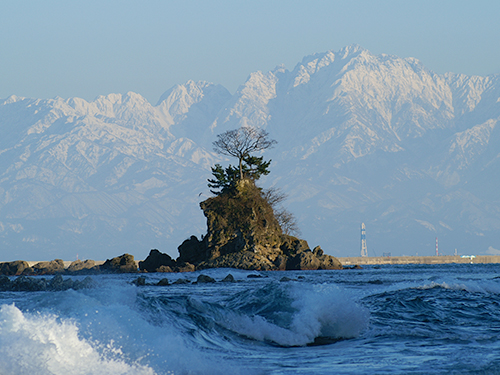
(364, 251)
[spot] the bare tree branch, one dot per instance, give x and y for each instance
(240, 143)
(286, 219)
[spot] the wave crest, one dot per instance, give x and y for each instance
(315, 314)
(45, 344)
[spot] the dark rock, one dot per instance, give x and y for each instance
(58, 283)
(192, 251)
(5, 283)
(157, 262)
(28, 284)
(280, 262)
(243, 233)
(81, 267)
(123, 264)
(318, 251)
(285, 279)
(291, 245)
(228, 279)
(21, 283)
(49, 268)
(305, 260)
(181, 281)
(254, 276)
(32, 284)
(14, 268)
(163, 282)
(245, 260)
(204, 279)
(313, 260)
(184, 267)
(329, 263)
(353, 267)
(239, 221)
(27, 272)
(86, 283)
(164, 269)
(140, 281)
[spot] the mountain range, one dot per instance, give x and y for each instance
(368, 138)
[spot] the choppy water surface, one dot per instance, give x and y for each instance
(418, 319)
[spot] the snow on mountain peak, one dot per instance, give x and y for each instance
(281, 68)
(351, 51)
(12, 99)
(361, 137)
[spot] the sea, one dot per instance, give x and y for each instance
(391, 319)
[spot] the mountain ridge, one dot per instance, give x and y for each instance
(362, 138)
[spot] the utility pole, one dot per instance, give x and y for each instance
(364, 250)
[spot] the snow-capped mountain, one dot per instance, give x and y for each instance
(98, 178)
(361, 138)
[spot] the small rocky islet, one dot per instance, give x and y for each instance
(242, 233)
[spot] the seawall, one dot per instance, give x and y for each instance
(351, 261)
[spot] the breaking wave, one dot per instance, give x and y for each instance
(298, 316)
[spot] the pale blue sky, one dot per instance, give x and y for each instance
(87, 48)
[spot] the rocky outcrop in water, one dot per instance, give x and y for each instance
(15, 268)
(82, 267)
(160, 262)
(49, 268)
(157, 262)
(242, 232)
(122, 264)
(31, 284)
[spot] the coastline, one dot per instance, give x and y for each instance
(31, 263)
(442, 259)
(401, 260)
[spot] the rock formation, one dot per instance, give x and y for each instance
(122, 264)
(15, 268)
(31, 284)
(242, 232)
(157, 262)
(49, 268)
(82, 267)
(160, 262)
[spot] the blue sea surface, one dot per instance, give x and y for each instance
(412, 319)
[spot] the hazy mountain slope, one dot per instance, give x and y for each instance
(361, 138)
(375, 139)
(96, 178)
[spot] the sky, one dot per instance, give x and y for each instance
(88, 48)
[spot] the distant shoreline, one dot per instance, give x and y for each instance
(350, 261)
(31, 263)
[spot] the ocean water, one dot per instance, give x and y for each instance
(415, 319)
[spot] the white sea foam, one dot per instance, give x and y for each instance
(44, 344)
(99, 331)
(321, 311)
(327, 310)
(472, 286)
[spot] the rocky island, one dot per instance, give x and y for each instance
(246, 228)
(242, 232)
